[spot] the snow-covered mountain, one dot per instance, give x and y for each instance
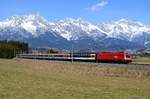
(125, 29)
(31, 24)
(75, 29)
(41, 33)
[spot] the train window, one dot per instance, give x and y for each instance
(128, 56)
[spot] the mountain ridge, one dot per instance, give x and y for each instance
(31, 27)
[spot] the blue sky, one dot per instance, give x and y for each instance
(95, 11)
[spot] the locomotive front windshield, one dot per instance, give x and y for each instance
(128, 56)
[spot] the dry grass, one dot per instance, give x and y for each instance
(35, 79)
(141, 60)
(86, 69)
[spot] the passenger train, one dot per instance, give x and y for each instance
(121, 57)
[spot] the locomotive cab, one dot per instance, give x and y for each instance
(128, 58)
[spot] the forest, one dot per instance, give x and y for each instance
(9, 49)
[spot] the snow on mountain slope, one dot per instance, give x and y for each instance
(35, 26)
(74, 29)
(125, 29)
(30, 23)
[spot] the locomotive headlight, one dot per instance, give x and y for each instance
(115, 56)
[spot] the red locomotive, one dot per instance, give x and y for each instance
(113, 57)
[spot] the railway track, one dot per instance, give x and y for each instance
(116, 64)
(97, 63)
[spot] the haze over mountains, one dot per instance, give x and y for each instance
(38, 32)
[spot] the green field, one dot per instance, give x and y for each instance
(33, 79)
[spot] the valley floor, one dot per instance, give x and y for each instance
(36, 79)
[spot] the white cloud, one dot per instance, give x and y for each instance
(98, 6)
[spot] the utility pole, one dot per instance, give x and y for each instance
(72, 54)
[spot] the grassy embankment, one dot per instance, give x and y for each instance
(32, 79)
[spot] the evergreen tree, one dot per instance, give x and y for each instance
(8, 49)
